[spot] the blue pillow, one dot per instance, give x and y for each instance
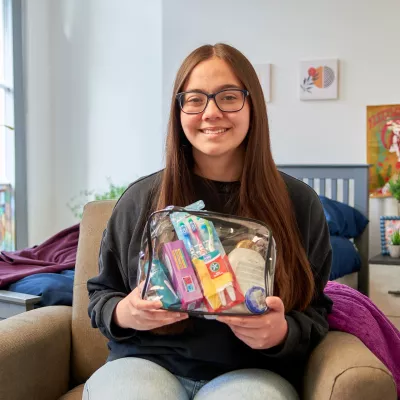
(345, 257)
(343, 220)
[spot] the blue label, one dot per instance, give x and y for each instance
(190, 288)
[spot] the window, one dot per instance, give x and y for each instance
(7, 128)
(7, 151)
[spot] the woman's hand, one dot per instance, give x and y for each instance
(261, 331)
(143, 315)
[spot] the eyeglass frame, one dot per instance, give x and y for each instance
(179, 95)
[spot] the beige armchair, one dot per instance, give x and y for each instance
(49, 353)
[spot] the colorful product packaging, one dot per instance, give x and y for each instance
(160, 286)
(182, 274)
(207, 263)
(219, 285)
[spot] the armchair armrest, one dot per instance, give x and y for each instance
(35, 354)
(343, 368)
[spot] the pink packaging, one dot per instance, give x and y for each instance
(182, 274)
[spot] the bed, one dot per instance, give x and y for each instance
(346, 184)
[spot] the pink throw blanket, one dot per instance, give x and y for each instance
(355, 313)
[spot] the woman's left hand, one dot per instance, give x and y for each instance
(262, 331)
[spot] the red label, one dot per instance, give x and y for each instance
(216, 265)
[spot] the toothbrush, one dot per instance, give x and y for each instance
(196, 234)
(186, 239)
(205, 235)
(207, 226)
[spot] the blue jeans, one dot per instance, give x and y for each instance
(137, 379)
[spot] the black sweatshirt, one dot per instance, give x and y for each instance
(209, 348)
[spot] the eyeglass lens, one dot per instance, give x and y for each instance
(227, 100)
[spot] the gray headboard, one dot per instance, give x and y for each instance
(347, 184)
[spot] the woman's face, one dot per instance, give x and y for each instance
(215, 133)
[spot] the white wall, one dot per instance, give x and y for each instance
(100, 74)
(99, 117)
(39, 137)
(360, 34)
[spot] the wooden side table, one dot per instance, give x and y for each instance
(385, 286)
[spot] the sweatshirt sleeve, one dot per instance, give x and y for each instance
(118, 259)
(307, 328)
(106, 290)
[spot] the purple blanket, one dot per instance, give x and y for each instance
(54, 255)
(355, 313)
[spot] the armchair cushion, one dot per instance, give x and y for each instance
(75, 394)
(35, 354)
(89, 346)
(342, 368)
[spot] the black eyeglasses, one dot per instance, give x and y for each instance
(227, 100)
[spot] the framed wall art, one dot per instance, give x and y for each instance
(383, 147)
(388, 225)
(319, 79)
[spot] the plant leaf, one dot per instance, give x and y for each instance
(389, 171)
(381, 181)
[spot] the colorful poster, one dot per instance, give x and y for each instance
(383, 147)
(7, 231)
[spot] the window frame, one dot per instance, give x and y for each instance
(13, 86)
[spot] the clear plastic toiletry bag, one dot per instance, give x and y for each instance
(206, 263)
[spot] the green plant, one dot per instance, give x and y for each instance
(382, 176)
(8, 127)
(395, 238)
(113, 193)
(77, 203)
(394, 186)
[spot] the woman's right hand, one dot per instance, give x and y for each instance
(143, 315)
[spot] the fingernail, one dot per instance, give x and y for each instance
(177, 315)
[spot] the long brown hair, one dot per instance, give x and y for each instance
(269, 202)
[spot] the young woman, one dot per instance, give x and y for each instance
(218, 150)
